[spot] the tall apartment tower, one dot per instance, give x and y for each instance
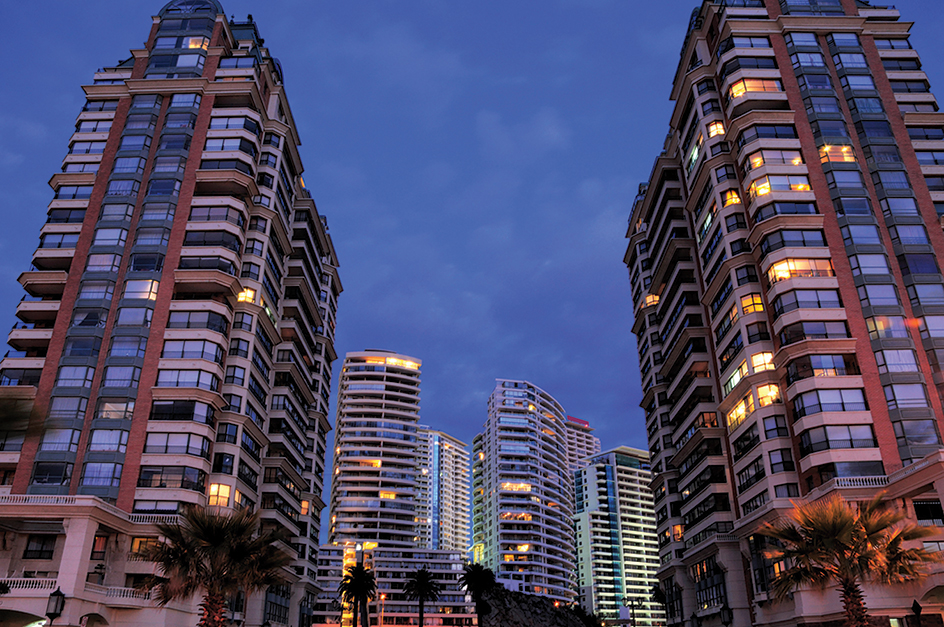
(177, 332)
(617, 549)
(375, 487)
(443, 506)
(581, 443)
(522, 492)
(789, 303)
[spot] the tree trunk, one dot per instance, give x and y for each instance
(365, 611)
(354, 612)
(212, 608)
(853, 603)
(421, 611)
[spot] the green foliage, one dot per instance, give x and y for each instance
(831, 542)
(478, 580)
(423, 588)
(358, 588)
(216, 554)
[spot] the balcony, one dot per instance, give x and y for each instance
(44, 283)
(31, 311)
(26, 339)
(120, 597)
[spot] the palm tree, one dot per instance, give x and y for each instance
(358, 587)
(216, 554)
(830, 542)
(478, 581)
(421, 586)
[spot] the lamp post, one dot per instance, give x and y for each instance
(55, 605)
(633, 605)
(727, 615)
(916, 609)
(383, 597)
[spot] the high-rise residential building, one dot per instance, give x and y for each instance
(390, 476)
(581, 443)
(617, 549)
(443, 505)
(789, 302)
(391, 569)
(177, 330)
(375, 486)
(522, 492)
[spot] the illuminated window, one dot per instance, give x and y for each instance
(752, 303)
(762, 361)
(735, 378)
(731, 197)
(768, 394)
(247, 296)
(836, 154)
(523, 547)
(388, 495)
(516, 487)
(766, 184)
(746, 85)
(740, 412)
(773, 157)
(219, 495)
(715, 129)
(146, 290)
(402, 363)
(800, 268)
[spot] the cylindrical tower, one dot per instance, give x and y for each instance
(373, 495)
(523, 499)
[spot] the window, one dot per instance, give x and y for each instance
(127, 346)
(787, 491)
(791, 238)
(114, 409)
(925, 294)
(781, 461)
(746, 274)
(815, 81)
(903, 395)
(891, 179)
(75, 376)
(762, 361)
(896, 361)
(772, 157)
(766, 184)
(60, 440)
(182, 410)
(878, 295)
(857, 82)
(102, 474)
(134, 317)
(198, 320)
(784, 208)
(844, 178)
(806, 299)
(715, 129)
(223, 463)
(837, 154)
(144, 290)
(192, 349)
(853, 207)
(860, 235)
(822, 104)
(844, 40)
(235, 375)
(886, 327)
(916, 433)
(172, 477)
(836, 437)
(829, 128)
(122, 187)
(821, 366)
(163, 187)
(799, 268)
(817, 401)
(219, 495)
(96, 290)
(188, 378)
(39, 547)
(807, 60)
(121, 377)
(110, 237)
(152, 237)
(917, 264)
(52, 473)
(133, 142)
(775, 427)
(63, 407)
(909, 234)
(849, 60)
(115, 440)
(177, 444)
(813, 330)
(752, 303)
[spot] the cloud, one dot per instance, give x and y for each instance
(522, 143)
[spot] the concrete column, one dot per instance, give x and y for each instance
(73, 566)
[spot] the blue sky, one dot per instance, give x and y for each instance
(476, 161)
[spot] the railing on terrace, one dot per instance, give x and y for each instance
(118, 593)
(30, 583)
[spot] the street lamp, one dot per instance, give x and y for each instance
(383, 597)
(696, 620)
(55, 605)
(727, 615)
(633, 605)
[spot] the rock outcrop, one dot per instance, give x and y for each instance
(516, 609)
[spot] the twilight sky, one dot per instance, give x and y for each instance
(476, 161)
